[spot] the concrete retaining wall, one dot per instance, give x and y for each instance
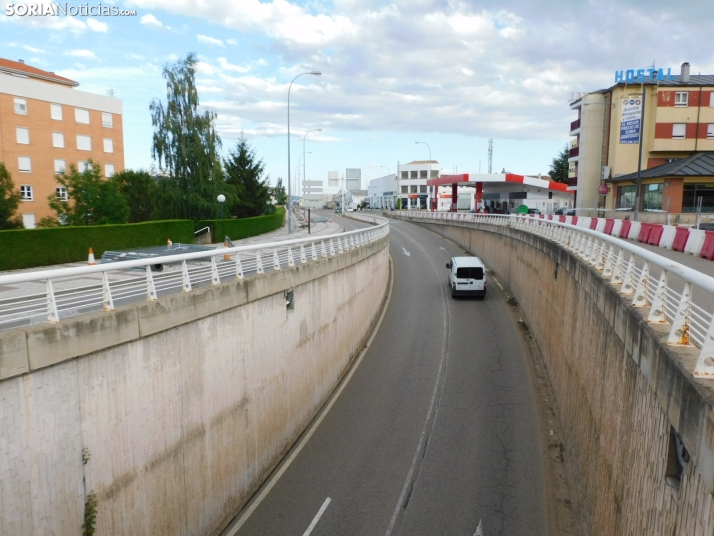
(171, 412)
(619, 389)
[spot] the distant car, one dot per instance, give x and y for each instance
(350, 209)
(467, 277)
(570, 212)
(533, 211)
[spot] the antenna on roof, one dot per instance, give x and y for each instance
(111, 92)
(490, 154)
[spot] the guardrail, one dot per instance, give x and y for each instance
(234, 262)
(628, 267)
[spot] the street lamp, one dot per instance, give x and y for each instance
(304, 160)
(638, 180)
(429, 177)
(221, 199)
(297, 171)
(314, 73)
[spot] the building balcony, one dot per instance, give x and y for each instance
(574, 151)
(575, 125)
(572, 181)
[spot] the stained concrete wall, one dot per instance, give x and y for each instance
(172, 411)
(619, 389)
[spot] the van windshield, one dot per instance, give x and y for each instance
(469, 272)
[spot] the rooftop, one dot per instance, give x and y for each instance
(19, 68)
(421, 162)
(697, 165)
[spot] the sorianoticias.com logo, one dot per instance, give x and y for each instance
(56, 9)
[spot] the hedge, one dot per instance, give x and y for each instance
(27, 248)
(239, 228)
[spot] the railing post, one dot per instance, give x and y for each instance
(52, 313)
(258, 263)
(627, 287)
(679, 334)
(239, 267)
(617, 269)
(324, 249)
(705, 363)
(640, 297)
(607, 268)
(658, 310)
(276, 259)
(150, 287)
(107, 300)
(303, 256)
(185, 279)
(291, 260)
(314, 252)
(215, 278)
(339, 245)
(332, 248)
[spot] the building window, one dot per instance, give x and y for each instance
(413, 189)
(56, 112)
(679, 131)
(710, 131)
(422, 173)
(81, 116)
(108, 145)
(413, 174)
(434, 173)
(422, 189)
(691, 194)
(24, 164)
(107, 120)
(681, 98)
(405, 175)
(60, 166)
(62, 193)
(405, 189)
(26, 192)
(20, 106)
(58, 140)
(652, 196)
(22, 135)
(108, 170)
(84, 143)
(626, 197)
(82, 166)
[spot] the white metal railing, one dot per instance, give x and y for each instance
(55, 304)
(628, 267)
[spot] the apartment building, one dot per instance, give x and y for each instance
(46, 125)
(412, 187)
(678, 123)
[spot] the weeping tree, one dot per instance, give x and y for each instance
(186, 147)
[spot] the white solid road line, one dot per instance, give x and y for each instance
(243, 516)
(479, 529)
(317, 517)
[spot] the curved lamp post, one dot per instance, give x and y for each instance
(315, 73)
(433, 202)
(304, 160)
(221, 199)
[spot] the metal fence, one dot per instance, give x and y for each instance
(674, 293)
(64, 296)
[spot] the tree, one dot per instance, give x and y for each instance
(281, 196)
(139, 190)
(9, 201)
(91, 199)
(245, 173)
(186, 146)
(559, 167)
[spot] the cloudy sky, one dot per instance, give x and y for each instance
(446, 72)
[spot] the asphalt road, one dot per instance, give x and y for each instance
(436, 431)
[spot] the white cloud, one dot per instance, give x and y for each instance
(223, 62)
(96, 26)
(33, 49)
(87, 54)
(151, 21)
(209, 40)
(232, 41)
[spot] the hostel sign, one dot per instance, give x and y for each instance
(630, 121)
(632, 76)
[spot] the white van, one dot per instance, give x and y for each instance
(467, 276)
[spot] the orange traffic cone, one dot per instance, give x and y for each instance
(90, 259)
(226, 256)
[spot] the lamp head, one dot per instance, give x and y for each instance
(316, 73)
(221, 198)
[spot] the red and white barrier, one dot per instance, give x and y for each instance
(695, 242)
(668, 234)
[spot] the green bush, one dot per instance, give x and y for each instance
(27, 248)
(239, 228)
